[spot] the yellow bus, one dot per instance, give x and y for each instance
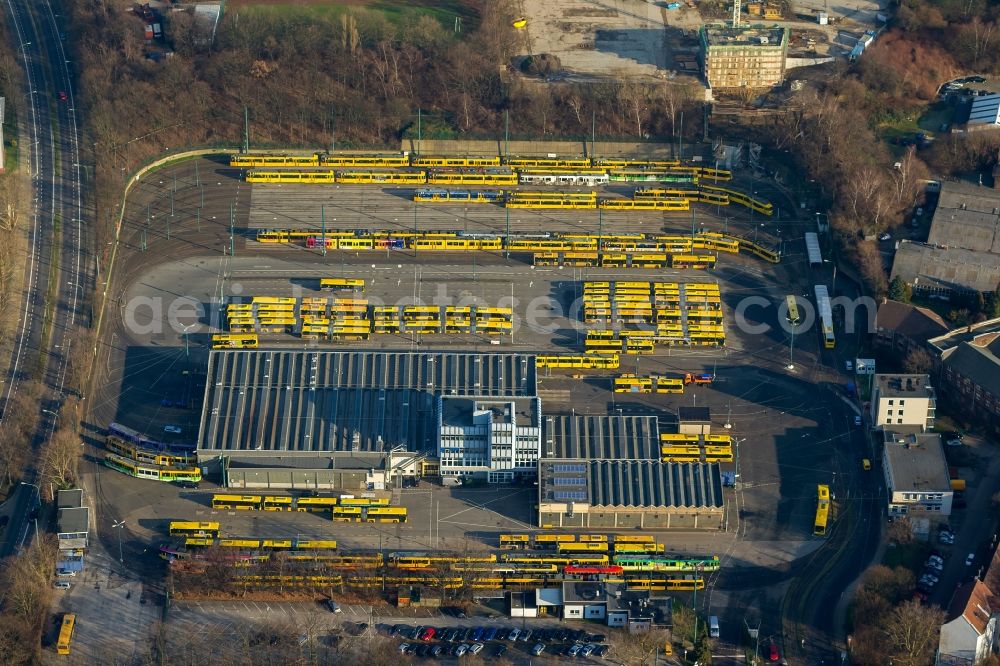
(246, 502)
(185, 528)
(514, 541)
(681, 453)
(633, 384)
(234, 341)
(337, 284)
(66, 633)
(627, 538)
(822, 509)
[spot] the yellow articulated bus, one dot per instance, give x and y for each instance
(609, 362)
(244, 502)
(273, 300)
(341, 284)
(266, 176)
(422, 313)
(649, 261)
(253, 160)
(234, 341)
(66, 629)
(599, 346)
(349, 514)
(382, 177)
(185, 528)
(540, 203)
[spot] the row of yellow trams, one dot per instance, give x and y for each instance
(398, 160)
(547, 244)
(524, 560)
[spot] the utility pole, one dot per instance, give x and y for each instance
(246, 129)
(322, 217)
(232, 221)
(419, 129)
(506, 134)
(593, 134)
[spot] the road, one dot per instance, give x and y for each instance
(56, 265)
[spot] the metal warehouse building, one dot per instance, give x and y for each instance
(616, 494)
(267, 403)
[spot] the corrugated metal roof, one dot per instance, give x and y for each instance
(985, 110)
(946, 268)
(317, 401)
(633, 483)
(595, 437)
(812, 248)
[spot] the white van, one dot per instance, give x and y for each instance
(713, 627)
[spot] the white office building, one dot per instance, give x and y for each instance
(916, 475)
(497, 439)
(903, 402)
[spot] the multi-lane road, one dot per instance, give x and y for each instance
(57, 266)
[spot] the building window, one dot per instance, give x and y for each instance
(902, 402)
(890, 403)
(889, 412)
(899, 420)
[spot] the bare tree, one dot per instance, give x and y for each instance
(918, 361)
(912, 631)
(61, 456)
(638, 648)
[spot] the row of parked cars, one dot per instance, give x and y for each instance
(459, 641)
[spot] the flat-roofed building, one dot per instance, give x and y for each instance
(496, 438)
(594, 436)
(916, 474)
(617, 494)
(903, 402)
(743, 57)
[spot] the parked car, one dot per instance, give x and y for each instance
(526, 635)
(514, 633)
(476, 648)
(63, 573)
(501, 633)
(501, 650)
(885, 236)
(404, 648)
(946, 538)
(62, 96)
(172, 429)
(857, 422)
(574, 650)
(602, 650)
(538, 649)
(428, 634)
(849, 366)
(62, 585)
(477, 633)
(490, 634)
(587, 650)
(437, 650)
(461, 650)
(866, 464)
(969, 559)
(333, 606)
(772, 653)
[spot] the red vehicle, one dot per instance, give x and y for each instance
(590, 569)
(62, 96)
(692, 378)
(428, 634)
(772, 653)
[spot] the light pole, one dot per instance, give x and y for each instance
(791, 348)
(120, 525)
(187, 349)
(55, 414)
(38, 501)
